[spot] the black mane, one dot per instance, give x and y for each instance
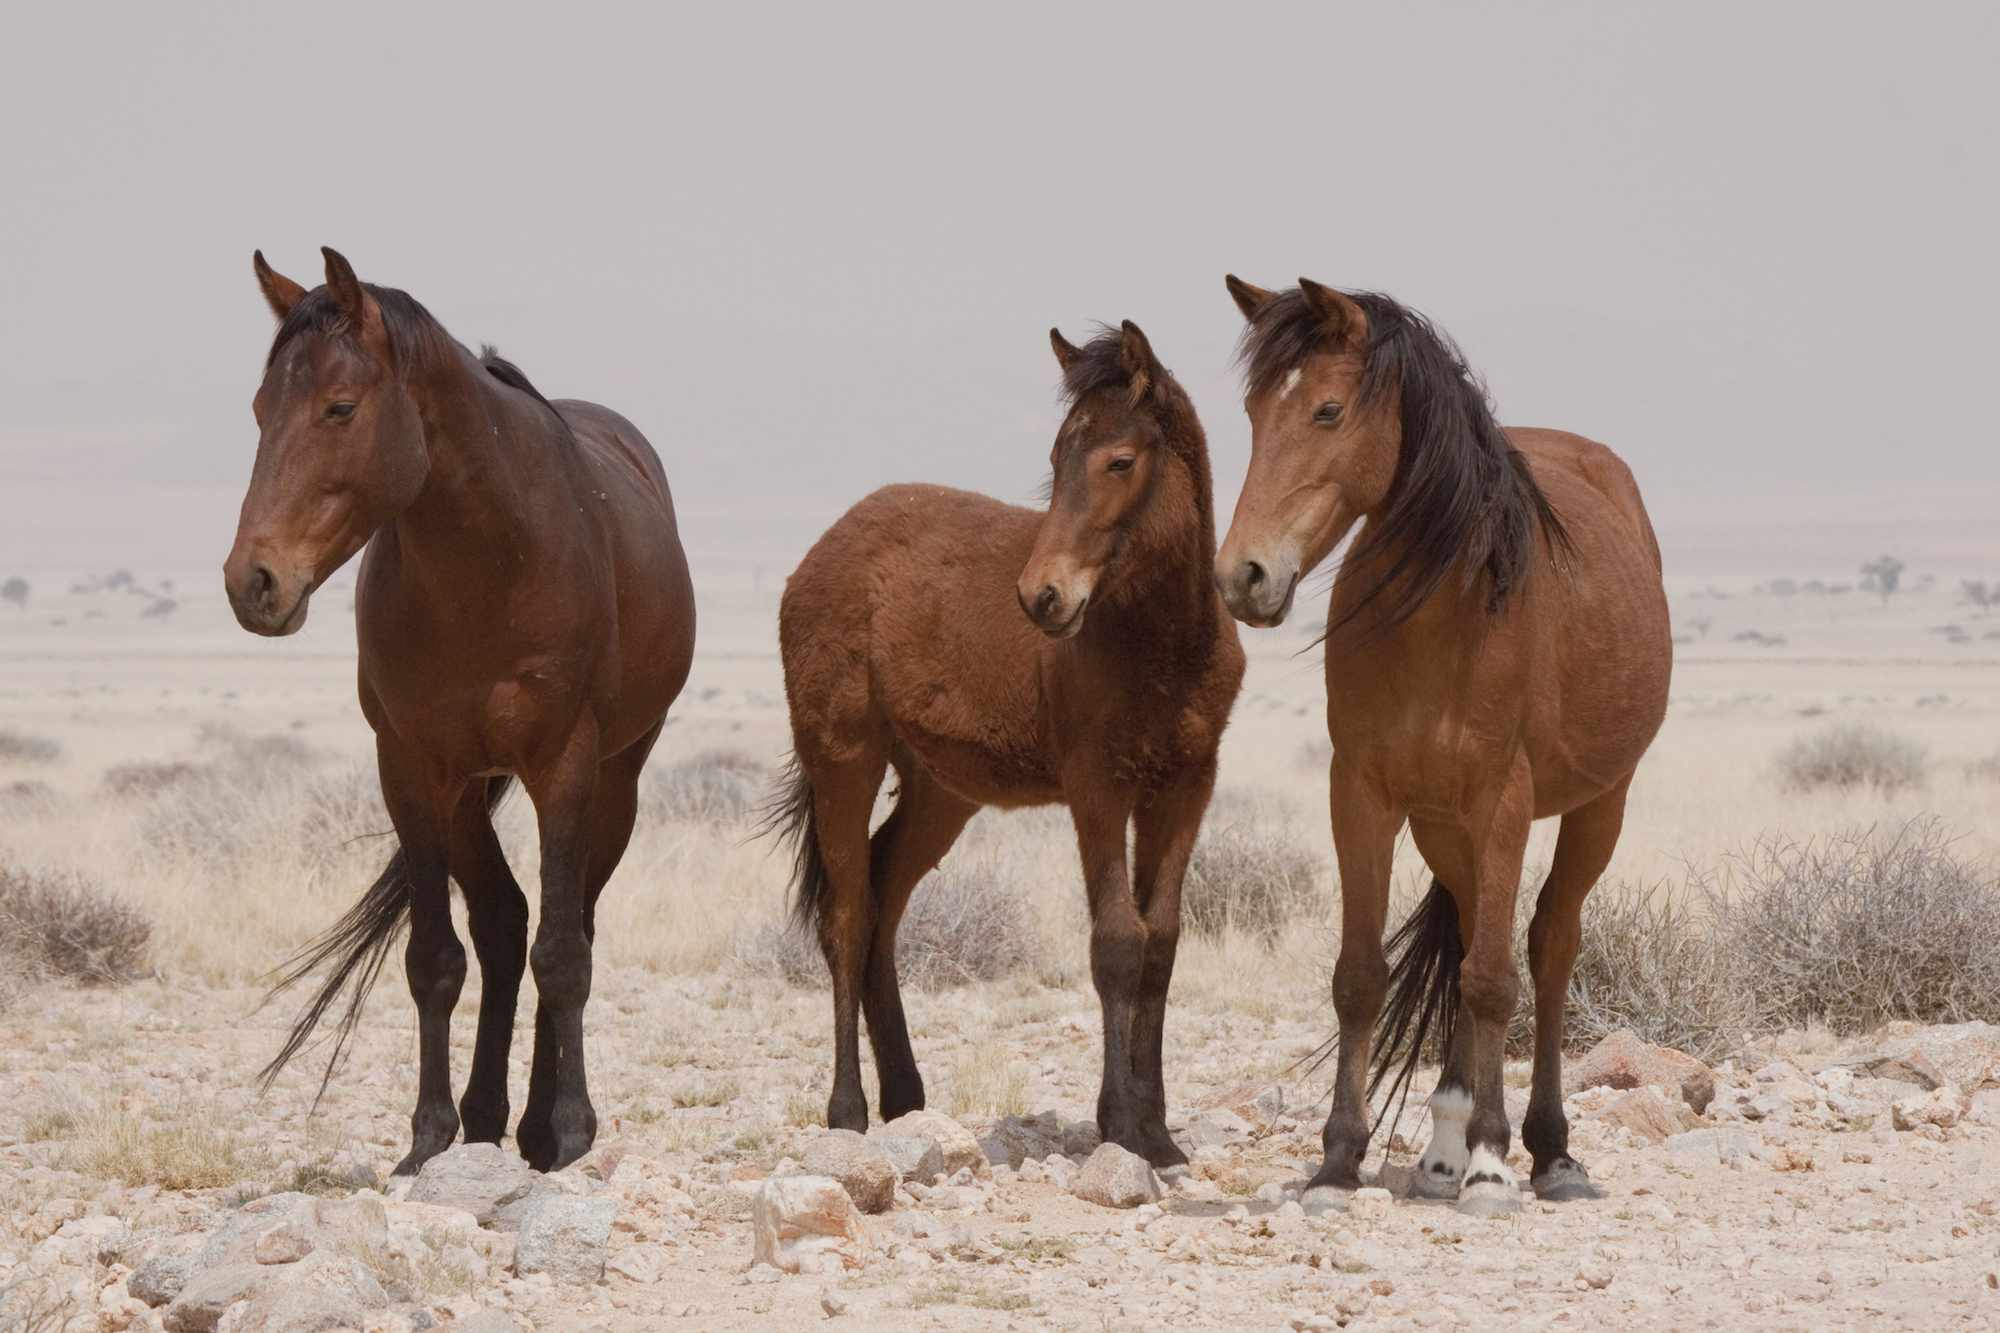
(415, 337)
(1099, 364)
(1461, 491)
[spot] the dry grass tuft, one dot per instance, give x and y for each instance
(961, 927)
(62, 925)
(1984, 770)
(1860, 928)
(18, 747)
(1249, 871)
(185, 1148)
(987, 1080)
(715, 786)
(1854, 754)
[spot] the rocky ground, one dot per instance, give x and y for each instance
(1807, 1184)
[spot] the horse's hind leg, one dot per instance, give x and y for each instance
(912, 840)
(843, 800)
(613, 811)
(1164, 832)
(434, 958)
(1583, 850)
(497, 913)
(1441, 1169)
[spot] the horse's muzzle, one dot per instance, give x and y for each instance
(262, 601)
(1257, 592)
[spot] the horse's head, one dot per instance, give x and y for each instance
(1321, 455)
(340, 447)
(1107, 463)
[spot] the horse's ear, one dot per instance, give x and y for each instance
(1066, 351)
(1249, 299)
(353, 299)
(1135, 354)
(280, 291)
(1337, 311)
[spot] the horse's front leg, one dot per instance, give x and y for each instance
(1165, 827)
(559, 1123)
(419, 806)
(1117, 955)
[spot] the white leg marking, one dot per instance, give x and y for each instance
(1485, 1163)
(1446, 1156)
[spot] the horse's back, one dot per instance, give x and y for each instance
(615, 440)
(904, 614)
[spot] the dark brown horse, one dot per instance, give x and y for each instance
(523, 610)
(904, 647)
(1497, 652)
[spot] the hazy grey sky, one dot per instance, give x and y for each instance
(1751, 246)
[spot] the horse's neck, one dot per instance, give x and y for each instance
(476, 498)
(1170, 584)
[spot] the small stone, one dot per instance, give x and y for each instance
(1324, 1199)
(832, 1302)
(807, 1224)
(635, 1263)
(477, 1177)
(1941, 1107)
(1369, 1201)
(1721, 1144)
(564, 1237)
(1015, 1139)
(954, 1141)
(1594, 1277)
(1643, 1112)
(1623, 1061)
(915, 1156)
(285, 1244)
(863, 1169)
(1116, 1178)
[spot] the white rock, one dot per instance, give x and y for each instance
(564, 1237)
(1370, 1201)
(863, 1169)
(1116, 1178)
(807, 1224)
(1940, 1107)
(954, 1141)
(477, 1177)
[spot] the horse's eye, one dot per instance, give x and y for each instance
(1328, 414)
(339, 411)
(1122, 463)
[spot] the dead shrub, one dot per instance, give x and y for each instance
(714, 786)
(961, 926)
(1853, 754)
(1249, 871)
(145, 779)
(1860, 928)
(17, 747)
(63, 925)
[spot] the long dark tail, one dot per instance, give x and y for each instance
(356, 947)
(791, 817)
(1422, 1009)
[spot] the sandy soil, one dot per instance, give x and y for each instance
(716, 1076)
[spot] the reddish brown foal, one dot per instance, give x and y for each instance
(904, 647)
(1488, 663)
(523, 609)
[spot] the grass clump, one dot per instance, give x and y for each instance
(18, 747)
(1851, 755)
(1248, 873)
(62, 925)
(714, 786)
(987, 1080)
(186, 1149)
(1861, 928)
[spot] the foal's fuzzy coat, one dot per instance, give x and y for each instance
(904, 647)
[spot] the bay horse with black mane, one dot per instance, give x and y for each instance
(906, 646)
(523, 611)
(1497, 651)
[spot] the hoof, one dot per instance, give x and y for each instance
(1162, 1151)
(1436, 1184)
(1489, 1198)
(1565, 1182)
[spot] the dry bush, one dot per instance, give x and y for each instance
(63, 925)
(1859, 928)
(1250, 872)
(184, 1148)
(146, 779)
(961, 926)
(17, 747)
(723, 786)
(1647, 961)
(1853, 754)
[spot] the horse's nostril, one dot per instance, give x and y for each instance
(1046, 602)
(263, 585)
(1253, 573)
